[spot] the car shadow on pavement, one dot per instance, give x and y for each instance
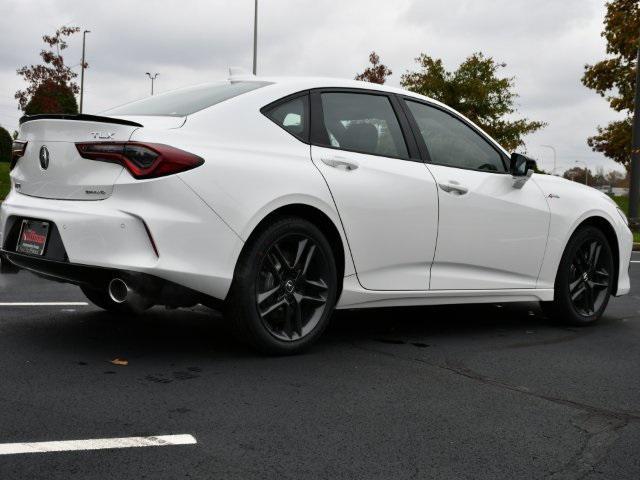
(422, 325)
(200, 332)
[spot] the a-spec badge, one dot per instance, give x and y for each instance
(44, 157)
(102, 135)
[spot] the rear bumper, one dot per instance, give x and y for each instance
(196, 249)
(159, 290)
(95, 277)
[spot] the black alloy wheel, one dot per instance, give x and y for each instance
(590, 277)
(291, 291)
(284, 288)
(585, 279)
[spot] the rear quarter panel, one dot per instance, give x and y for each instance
(252, 166)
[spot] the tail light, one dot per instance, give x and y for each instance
(143, 160)
(17, 150)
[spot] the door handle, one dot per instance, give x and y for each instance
(338, 162)
(453, 188)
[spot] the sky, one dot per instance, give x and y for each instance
(545, 45)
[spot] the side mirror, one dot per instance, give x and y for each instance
(522, 167)
(521, 164)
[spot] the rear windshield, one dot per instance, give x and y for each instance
(186, 101)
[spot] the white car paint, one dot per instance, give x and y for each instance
(399, 195)
(405, 240)
(492, 237)
(571, 204)
(70, 177)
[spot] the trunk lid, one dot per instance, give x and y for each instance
(51, 166)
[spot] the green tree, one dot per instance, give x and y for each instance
(614, 78)
(51, 97)
(53, 76)
(475, 90)
(5, 145)
(376, 73)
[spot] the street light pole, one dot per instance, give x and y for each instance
(153, 78)
(255, 38)
(82, 67)
(586, 171)
(634, 181)
(554, 157)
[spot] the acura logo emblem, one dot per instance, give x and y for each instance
(44, 157)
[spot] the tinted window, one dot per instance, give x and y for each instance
(292, 116)
(453, 143)
(362, 123)
(186, 101)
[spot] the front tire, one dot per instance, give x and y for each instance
(284, 289)
(584, 282)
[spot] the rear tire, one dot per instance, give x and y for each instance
(100, 298)
(284, 288)
(584, 282)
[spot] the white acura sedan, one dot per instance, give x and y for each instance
(280, 199)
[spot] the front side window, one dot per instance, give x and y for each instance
(292, 116)
(362, 123)
(453, 143)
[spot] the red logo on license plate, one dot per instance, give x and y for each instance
(31, 236)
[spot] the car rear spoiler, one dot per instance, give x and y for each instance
(80, 116)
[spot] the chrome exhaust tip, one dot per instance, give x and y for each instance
(122, 293)
(118, 290)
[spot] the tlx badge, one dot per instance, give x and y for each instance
(102, 135)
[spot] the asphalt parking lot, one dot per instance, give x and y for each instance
(481, 391)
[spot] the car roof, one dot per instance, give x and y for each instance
(304, 83)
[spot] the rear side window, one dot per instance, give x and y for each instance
(186, 101)
(362, 123)
(293, 116)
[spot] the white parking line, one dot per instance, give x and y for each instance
(43, 304)
(635, 261)
(96, 444)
